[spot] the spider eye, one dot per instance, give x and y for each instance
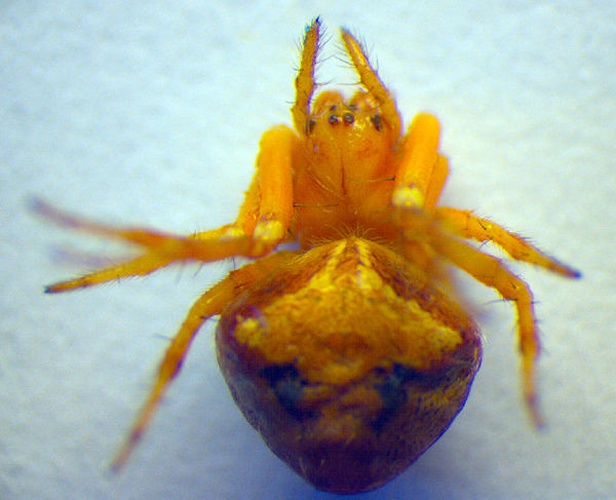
(310, 126)
(348, 118)
(377, 122)
(333, 120)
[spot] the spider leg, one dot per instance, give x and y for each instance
(370, 79)
(419, 181)
(160, 249)
(304, 82)
(469, 225)
(261, 224)
(140, 266)
(493, 273)
(268, 207)
(423, 171)
(209, 304)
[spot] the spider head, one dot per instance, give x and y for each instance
(350, 133)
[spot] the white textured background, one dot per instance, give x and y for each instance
(150, 112)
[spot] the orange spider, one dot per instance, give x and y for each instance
(348, 355)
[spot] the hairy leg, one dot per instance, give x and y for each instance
(493, 273)
(211, 303)
(468, 225)
(422, 172)
(304, 82)
(369, 78)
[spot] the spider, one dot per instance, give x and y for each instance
(350, 354)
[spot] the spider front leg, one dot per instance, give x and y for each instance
(160, 249)
(419, 181)
(261, 224)
(369, 78)
(304, 82)
(423, 171)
